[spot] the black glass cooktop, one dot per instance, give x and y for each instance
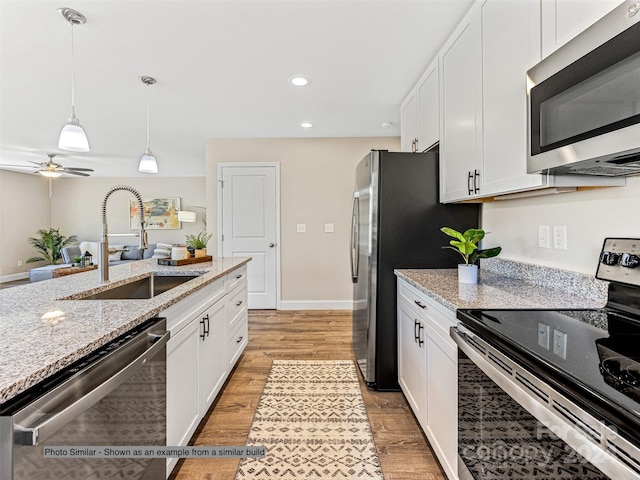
(592, 355)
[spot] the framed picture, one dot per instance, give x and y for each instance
(159, 213)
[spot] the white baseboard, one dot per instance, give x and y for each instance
(14, 277)
(316, 305)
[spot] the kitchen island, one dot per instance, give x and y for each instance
(41, 334)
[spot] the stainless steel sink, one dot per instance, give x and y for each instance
(144, 288)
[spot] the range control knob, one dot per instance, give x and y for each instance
(609, 258)
(629, 260)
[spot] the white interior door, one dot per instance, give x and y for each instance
(248, 215)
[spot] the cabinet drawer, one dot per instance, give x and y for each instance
(435, 316)
(180, 314)
(237, 340)
(236, 277)
(236, 306)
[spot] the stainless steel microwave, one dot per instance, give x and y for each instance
(584, 101)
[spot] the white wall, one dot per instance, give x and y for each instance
(76, 206)
(316, 182)
(24, 209)
(589, 216)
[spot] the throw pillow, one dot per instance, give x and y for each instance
(116, 256)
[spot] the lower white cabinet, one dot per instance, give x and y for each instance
(428, 370)
(200, 353)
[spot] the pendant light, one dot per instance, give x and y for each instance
(148, 163)
(72, 136)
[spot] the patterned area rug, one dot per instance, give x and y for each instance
(313, 422)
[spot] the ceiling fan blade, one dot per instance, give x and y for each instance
(77, 169)
(78, 173)
(21, 166)
(40, 164)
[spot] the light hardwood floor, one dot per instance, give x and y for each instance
(305, 335)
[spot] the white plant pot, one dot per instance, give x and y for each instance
(467, 273)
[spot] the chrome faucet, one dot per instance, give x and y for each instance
(103, 266)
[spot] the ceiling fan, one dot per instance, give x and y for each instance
(51, 169)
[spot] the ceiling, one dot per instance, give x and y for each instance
(222, 70)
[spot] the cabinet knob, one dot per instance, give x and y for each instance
(271, 245)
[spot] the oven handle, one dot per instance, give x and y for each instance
(66, 393)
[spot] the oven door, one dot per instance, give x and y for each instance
(512, 425)
(113, 398)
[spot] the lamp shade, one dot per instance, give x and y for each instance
(50, 173)
(72, 137)
(148, 163)
(186, 216)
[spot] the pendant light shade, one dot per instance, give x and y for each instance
(72, 137)
(148, 163)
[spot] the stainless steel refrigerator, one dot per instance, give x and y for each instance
(396, 220)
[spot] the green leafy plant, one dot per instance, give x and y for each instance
(50, 244)
(466, 244)
(198, 241)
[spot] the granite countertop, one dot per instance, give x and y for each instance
(40, 334)
(497, 291)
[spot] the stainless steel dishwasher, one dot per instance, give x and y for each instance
(115, 396)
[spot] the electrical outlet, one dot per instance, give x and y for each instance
(19, 263)
(328, 228)
(560, 237)
(543, 236)
(560, 343)
(301, 228)
(543, 335)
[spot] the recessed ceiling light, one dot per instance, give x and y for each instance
(299, 81)
(306, 125)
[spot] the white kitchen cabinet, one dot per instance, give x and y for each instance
(461, 111)
(412, 361)
(409, 122)
(212, 365)
(183, 407)
(199, 354)
(428, 370)
(510, 46)
(420, 113)
(564, 19)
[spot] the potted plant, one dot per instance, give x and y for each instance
(49, 244)
(77, 262)
(466, 244)
(199, 243)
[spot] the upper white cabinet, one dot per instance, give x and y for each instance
(483, 146)
(564, 19)
(420, 127)
(409, 122)
(510, 46)
(461, 111)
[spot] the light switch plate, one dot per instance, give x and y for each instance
(560, 343)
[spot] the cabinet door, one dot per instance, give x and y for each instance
(461, 142)
(183, 412)
(409, 119)
(510, 46)
(564, 19)
(412, 375)
(428, 108)
(442, 404)
(212, 355)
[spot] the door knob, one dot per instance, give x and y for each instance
(271, 245)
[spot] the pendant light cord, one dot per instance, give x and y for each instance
(147, 117)
(73, 89)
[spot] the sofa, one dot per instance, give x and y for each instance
(117, 254)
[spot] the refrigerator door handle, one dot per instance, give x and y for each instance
(355, 247)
